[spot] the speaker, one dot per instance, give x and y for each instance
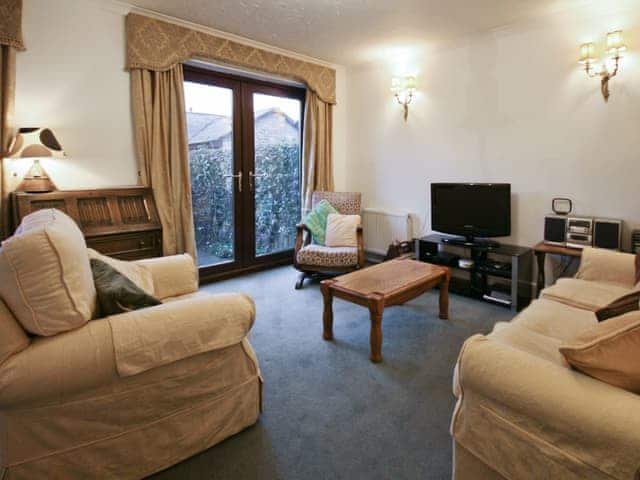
(635, 241)
(607, 233)
(555, 230)
(426, 251)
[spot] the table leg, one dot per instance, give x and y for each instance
(327, 316)
(444, 296)
(376, 307)
(540, 257)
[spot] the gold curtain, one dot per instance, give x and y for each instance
(317, 155)
(163, 154)
(7, 95)
(10, 41)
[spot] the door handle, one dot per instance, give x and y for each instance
(252, 176)
(239, 177)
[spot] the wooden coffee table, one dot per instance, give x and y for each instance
(383, 285)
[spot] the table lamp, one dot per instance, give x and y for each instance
(36, 143)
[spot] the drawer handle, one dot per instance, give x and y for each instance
(142, 243)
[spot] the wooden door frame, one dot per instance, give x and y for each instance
(248, 152)
(245, 259)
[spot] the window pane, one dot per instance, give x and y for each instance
(210, 133)
(277, 172)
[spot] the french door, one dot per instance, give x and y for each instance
(245, 145)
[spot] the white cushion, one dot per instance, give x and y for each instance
(45, 276)
(137, 273)
(342, 230)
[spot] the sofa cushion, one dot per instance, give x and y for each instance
(316, 220)
(322, 256)
(521, 338)
(45, 276)
(584, 294)
(138, 273)
(609, 352)
(342, 230)
(609, 266)
(13, 339)
(556, 320)
(116, 292)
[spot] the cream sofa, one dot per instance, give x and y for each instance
(523, 413)
(118, 397)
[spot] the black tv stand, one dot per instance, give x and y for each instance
(471, 242)
(496, 273)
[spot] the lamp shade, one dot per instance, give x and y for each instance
(587, 53)
(35, 143)
(615, 42)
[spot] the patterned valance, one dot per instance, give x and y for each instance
(11, 23)
(156, 45)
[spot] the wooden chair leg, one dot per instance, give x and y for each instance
(300, 281)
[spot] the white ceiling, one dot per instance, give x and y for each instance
(350, 32)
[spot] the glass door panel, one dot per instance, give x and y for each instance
(275, 177)
(214, 177)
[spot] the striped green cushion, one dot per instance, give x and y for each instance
(316, 220)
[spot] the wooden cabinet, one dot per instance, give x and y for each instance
(119, 222)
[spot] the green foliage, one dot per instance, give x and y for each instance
(277, 197)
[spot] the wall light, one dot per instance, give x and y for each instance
(615, 46)
(403, 89)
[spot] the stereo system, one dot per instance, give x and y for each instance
(580, 232)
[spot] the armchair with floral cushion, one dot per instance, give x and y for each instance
(312, 258)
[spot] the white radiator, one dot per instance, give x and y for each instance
(383, 227)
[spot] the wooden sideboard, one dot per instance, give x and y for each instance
(119, 222)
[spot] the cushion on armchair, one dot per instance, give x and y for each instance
(316, 221)
(116, 292)
(138, 273)
(342, 230)
(321, 256)
(45, 276)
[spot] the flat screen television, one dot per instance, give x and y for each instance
(472, 210)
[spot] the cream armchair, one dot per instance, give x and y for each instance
(127, 395)
(312, 259)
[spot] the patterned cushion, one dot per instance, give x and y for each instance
(322, 256)
(316, 220)
(346, 203)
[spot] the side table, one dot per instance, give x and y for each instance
(541, 249)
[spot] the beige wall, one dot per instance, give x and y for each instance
(71, 79)
(510, 106)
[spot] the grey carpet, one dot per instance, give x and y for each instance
(329, 413)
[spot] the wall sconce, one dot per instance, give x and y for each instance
(35, 143)
(615, 47)
(403, 89)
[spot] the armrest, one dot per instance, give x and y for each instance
(172, 276)
(152, 337)
(501, 386)
(301, 238)
(360, 238)
(54, 368)
(600, 265)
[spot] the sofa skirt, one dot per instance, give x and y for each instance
(466, 466)
(137, 425)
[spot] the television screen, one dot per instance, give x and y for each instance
(471, 209)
